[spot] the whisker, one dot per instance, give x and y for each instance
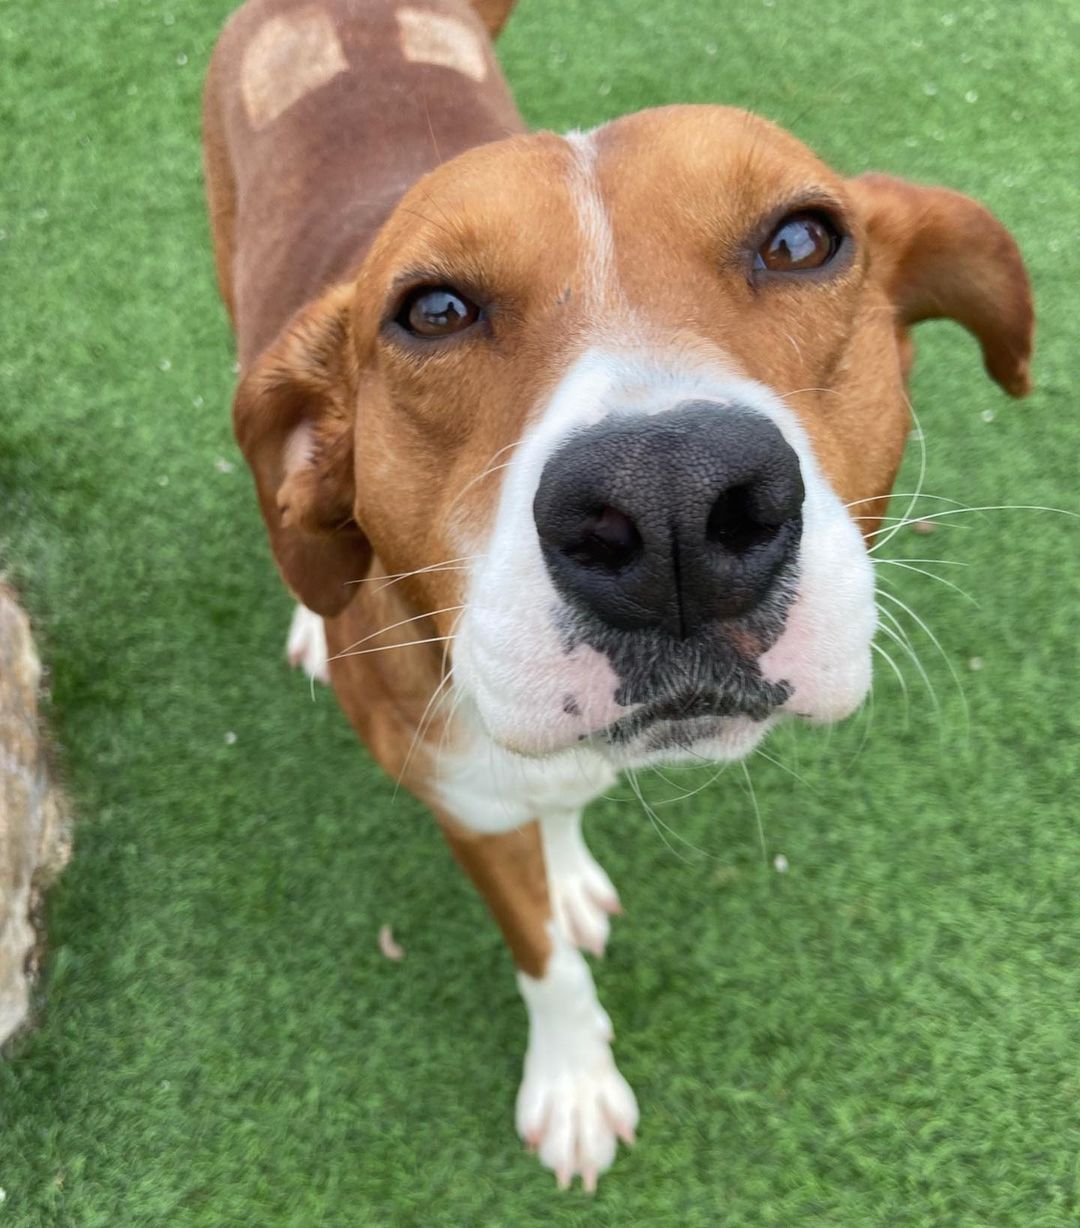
(668, 828)
(898, 626)
(899, 678)
(655, 769)
(944, 656)
(457, 697)
(871, 713)
(420, 571)
(900, 639)
(687, 794)
(918, 494)
(446, 564)
(784, 768)
(933, 576)
(942, 562)
(473, 481)
(960, 511)
(652, 816)
(505, 448)
(491, 469)
(794, 392)
(757, 812)
(421, 726)
(920, 481)
(394, 626)
(681, 838)
(898, 522)
(457, 702)
(436, 639)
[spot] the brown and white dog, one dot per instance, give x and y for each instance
(569, 446)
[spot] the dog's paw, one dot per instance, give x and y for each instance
(574, 1107)
(306, 646)
(583, 898)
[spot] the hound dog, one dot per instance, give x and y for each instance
(569, 447)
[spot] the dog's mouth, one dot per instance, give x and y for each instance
(674, 693)
(633, 696)
(679, 720)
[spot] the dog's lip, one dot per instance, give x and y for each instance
(710, 707)
(636, 719)
(637, 723)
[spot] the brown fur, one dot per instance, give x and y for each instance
(503, 868)
(493, 13)
(320, 214)
(295, 204)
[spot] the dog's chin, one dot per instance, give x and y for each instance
(705, 738)
(696, 739)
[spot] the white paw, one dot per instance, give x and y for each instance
(306, 645)
(583, 898)
(573, 1105)
(573, 1111)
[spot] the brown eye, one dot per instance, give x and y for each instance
(801, 241)
(436, 311)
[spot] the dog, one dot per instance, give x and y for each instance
(569, 447)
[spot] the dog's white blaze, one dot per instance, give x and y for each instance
(594, 224)
(573, 1104)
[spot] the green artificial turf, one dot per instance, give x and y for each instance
(886, 1034)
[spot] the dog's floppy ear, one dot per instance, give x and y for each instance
(293, 416)
(942, 255)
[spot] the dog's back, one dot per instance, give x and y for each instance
(318, 116)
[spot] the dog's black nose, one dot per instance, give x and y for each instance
(670, 521)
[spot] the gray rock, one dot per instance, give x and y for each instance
(34, 823)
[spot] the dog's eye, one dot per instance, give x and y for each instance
(801, 241)
(436, 311)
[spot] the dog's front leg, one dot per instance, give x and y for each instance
(573, 1104)
(582, 896)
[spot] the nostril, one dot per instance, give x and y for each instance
(734, 522)
(608, 539)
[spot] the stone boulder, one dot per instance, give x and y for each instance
(34, 828)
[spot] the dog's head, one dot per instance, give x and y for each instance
(636, 399)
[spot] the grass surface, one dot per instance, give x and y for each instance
(887, 1034)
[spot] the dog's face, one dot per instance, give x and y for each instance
(635, 400)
